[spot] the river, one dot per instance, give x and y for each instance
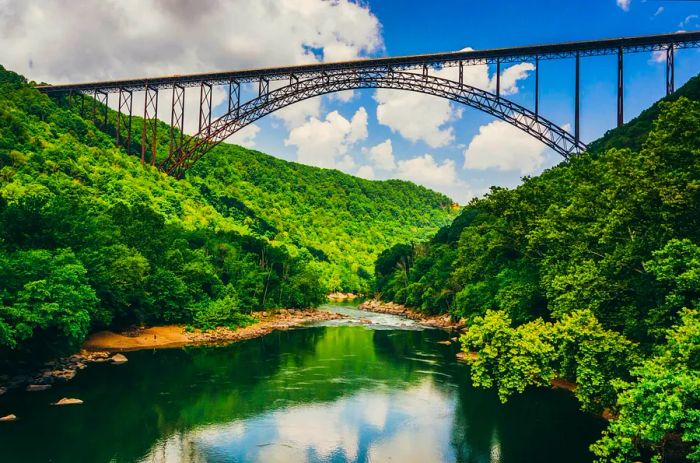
(384, 391)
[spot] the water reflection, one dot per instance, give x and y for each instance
(322, 394)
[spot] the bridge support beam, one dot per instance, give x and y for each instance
(498, 77)
(263, 87)
(126, 98)
(150, 124)
(620, 89)
(577, 104)
(177, 119)
(461, 73)
(205, 107)
(234, 97)
(537, 86)
(670, 71)
(102, 98)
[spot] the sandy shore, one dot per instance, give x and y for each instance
(175, 335)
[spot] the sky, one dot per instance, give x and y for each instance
(376, 134)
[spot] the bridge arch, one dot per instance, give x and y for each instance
(552, 135)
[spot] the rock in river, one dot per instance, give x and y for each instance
(8, 418)
(38, 387)
(67, 401)
(119, 359)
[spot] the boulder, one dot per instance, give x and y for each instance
(118, 359)
(8, 418)
(38, 387)
(67, 401)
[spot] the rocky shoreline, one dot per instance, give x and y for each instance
(107, 346)
(436, 321)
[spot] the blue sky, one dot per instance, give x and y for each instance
(384, 134)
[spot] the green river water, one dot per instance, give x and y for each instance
(334, 392)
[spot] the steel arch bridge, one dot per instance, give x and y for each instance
(549, 133)
(411, 73)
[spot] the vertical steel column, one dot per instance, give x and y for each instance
(177, 119)
(670, 71)
(234, 97)
(82, 104)
(620, 89)
(263, 87)
(123, 120)
(150, 123)
(498, 77)
(102, 98)
(205, 108)
(425, 72)
(461, 74)
(537, 86)
(577, 111)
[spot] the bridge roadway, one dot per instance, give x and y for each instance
(647, 43)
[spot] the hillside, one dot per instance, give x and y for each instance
(589, 273)
(91, 239)
(342, 220)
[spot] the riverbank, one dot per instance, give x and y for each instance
(436, 321)
(101, 346)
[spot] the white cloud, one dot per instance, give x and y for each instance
(416, 117)
(624, 4)
(502, 146)
(245, 136)
(687, 20)
(440, 176)
(382, 155)
(83, 40)
(325, 143)
(366, 172)
(426, 118)
(659, 10)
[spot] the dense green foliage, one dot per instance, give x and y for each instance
(582, 273)
(90, 239)
(344, 221)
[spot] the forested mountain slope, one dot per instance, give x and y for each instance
(343, 220)
(91, 239)
(589, 272)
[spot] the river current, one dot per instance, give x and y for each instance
(370, 388)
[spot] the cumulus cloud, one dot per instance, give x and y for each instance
(440, 176)
(245, 136)
(366, 172)
(83, 40)
(687, 20)
(382, 155)
(624, 4)
(325, 143)
(418, 117)
(502, 146)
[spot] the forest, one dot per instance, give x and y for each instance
(588, 273)
(91, 239)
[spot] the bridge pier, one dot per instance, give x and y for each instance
(205, 107)
(670, 71)
(263, 87)
(620, 89)
(177, 119)
(234, 96)
(125, 104)
(537, 86)
(150, 123)
(498, 77)
(102, 98)
(577, 104)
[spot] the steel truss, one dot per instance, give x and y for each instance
(532, 53)
(150, 125)
(194, 148)
(126, 98)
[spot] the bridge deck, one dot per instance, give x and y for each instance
(502, 55)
